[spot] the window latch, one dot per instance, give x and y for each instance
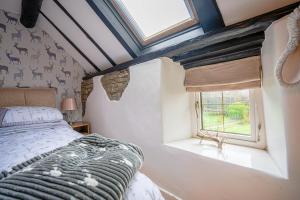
(197, 105)
(258, 135)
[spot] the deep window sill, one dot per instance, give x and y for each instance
(256, 159)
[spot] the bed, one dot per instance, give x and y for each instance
(33, 134)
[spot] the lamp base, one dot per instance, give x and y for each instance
(67, 117)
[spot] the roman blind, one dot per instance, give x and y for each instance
(233, 75)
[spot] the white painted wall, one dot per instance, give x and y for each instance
(175, 102)
(128, 119)
(137, 118)
(273, 45)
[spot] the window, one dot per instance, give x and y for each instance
(234, 115)
(152, 20)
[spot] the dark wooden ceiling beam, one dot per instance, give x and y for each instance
(209, 14)
(212, 38)
(255, 51)
(223, 52)
(192, 44)
(236, 31)
(223, 47)
(103, 10)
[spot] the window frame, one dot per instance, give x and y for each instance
(256, 139)
(137, 32)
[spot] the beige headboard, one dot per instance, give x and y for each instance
(27, 97)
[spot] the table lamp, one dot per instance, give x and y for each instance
(67, 106)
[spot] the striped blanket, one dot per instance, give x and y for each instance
(91, 167)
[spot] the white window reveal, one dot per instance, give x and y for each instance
(228, 101)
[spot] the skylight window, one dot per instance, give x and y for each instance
(151, 20)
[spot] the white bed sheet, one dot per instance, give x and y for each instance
(20, 143)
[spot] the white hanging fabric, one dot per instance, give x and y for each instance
(293, 42)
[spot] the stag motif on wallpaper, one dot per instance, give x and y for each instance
(12, 59)
(10, 19)
(63, 61)
(21, 49)
(51, 54)
(35, 73)
(49, 68)
(60, 81)
(3, 68)
(35, 37)
(17, 36)
(45, 34)
(35, 57)
(3, 27)
(59, 48)
(19, 75)
(65, 72)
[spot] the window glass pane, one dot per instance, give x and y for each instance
(212, 117)
(236, 119)
(212, 98)
(153, 16)
(227, 111)
(237, 112)
(236, 96)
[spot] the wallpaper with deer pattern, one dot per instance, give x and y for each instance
(31, 58)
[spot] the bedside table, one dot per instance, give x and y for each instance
(81, 127)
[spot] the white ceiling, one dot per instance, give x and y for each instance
(233, 11)
(83, 13)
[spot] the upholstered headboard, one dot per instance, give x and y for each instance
(27, 97)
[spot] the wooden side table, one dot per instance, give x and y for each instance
(81, 127)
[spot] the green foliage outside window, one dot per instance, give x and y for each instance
(238, 111)
(226, 112)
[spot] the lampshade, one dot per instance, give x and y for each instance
(68, 104)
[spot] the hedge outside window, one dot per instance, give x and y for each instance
(227, 111)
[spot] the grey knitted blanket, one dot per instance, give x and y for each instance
(91, 167)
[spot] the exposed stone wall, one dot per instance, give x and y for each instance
(115, 83)
(86, 89)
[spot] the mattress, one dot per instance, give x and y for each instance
(23, 142)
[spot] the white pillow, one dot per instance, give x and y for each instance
(17, 115)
